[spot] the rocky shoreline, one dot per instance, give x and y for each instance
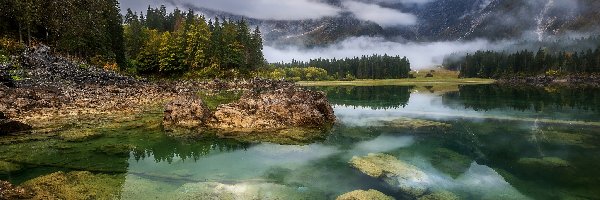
(577, 80)
(50, 87)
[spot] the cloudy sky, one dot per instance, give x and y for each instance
(421, 55)
(291, 9)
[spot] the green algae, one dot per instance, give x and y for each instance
(450, 162)
(244, 190)
(79, 135)
(569, 138)
(364, 195)
(75, 185)
(545, 162)
(8, 167)
(410, 123)
(213, 99)
(289, 136)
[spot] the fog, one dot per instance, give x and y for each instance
(421, 54)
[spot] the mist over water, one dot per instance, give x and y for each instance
(421, 54)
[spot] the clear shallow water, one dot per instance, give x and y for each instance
(500, 143)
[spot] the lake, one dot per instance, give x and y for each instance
(476, 141)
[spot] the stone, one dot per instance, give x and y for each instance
(410, 123)
(545, 162)
(450, 162)
(9, 191)
(364, 195)
(277, 109)
(75, 185)
(186, 113)
(272, 115)
(79, 135)
(250, 191)
(408, 178)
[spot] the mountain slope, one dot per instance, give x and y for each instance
(442, 20)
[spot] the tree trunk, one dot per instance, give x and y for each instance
(28, 34)
(20, 33)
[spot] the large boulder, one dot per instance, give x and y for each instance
(276, 109)
(255, 111)
(408, 178)
(8, 126)
(186, 113)
(364, 195)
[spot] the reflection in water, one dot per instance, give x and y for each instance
(383, 143)
(374, 97)
(524, 98)
(491, 146)
(240, 164)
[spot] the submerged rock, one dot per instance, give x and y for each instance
(186, 113)
(9, 191)
(450, 162)
(250, 191)
(8, 126)
(75, 185)
(408, 178)
(545, 162)
(7, 167)
(364, 195)
(79, 135)
(410, 123)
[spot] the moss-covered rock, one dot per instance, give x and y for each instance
(289, 136)
(79, 135)
(410, 123)
(116, 149)
(75, 185)
(257, 191)
(364, 195)
(545, 162)
(450, 162)
(408, 178)
(440, 195)
(8, 167)
(569, 138)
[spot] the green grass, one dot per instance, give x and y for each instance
(416, 81)
(440, 77)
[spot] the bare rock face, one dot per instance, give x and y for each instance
(186, 113)
(277, 109)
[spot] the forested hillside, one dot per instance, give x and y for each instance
(365, 67)
(157, 42)
(84, 28)
(177, 42)
(551, 59)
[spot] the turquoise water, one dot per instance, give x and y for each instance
(482, 142)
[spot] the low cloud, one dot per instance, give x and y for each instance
(421, 55)
(258, 9)
(385, 17)
(405, 1)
